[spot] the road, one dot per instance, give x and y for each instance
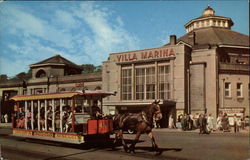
(174, 144)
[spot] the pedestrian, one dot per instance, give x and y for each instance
(242, 123)
(218, 122)
(210, 122)
(178, 124)
(171, 122)
(239, 124)
(205, 125)
(2, 118)
(6, 118)
(184, 122)
(235, 123)
(200, 122)
(195, 119)
(225, 123)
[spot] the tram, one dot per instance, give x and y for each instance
(69, 117)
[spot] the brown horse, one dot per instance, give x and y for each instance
(140, 122)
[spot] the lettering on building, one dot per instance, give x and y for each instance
(146, 54)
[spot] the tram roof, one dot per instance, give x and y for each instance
(61, 95)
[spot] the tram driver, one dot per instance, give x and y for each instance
(96, 111)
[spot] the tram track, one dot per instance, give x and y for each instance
(79, 150)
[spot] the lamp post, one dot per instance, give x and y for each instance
(48, 84)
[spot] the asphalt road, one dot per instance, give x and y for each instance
(175, 145)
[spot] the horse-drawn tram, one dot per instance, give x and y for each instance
(68, 117)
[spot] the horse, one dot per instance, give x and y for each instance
(140, 122)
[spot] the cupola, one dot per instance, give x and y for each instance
(209, 19)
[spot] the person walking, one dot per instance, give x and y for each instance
(200, 122)
(6, 118)
(235, 122)
(205, 125)
(225, 123)
(184, 122)
(218, 122)
(171, 122)
(210, 122)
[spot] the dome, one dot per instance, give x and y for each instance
(208, 11)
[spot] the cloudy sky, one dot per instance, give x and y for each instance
(87, 32)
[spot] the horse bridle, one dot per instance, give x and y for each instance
(157, 112)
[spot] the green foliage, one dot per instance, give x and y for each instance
(90, 68)
(3, 77)
(22, 76)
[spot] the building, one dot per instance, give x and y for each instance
(204, 71)
(55, 74)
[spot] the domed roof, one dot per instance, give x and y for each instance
(208, 11)
(208, 19)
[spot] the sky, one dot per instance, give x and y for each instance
(87, 32)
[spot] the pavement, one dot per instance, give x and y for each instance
(245, 131)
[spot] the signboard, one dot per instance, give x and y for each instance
(80, 84)
(157, 53)
(231, 112)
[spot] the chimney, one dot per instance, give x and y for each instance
(172, 39)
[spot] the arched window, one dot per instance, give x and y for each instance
(41, 73)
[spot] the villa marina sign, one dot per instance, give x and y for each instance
(146, 54)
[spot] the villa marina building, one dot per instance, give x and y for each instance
(204, 71)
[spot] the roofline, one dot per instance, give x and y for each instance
(210, 17)
(70, 63)
(47, 64)
(234, 46)
(184, 43)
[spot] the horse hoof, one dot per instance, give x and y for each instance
(127, 150)
(159, 152)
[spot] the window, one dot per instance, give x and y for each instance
(150, 83)
(40, 74)
(145, 83)
(239, 90)
(140, 81)
(227, 89)
(164, 82)
(126, 84)
(207, 23)
(219, 23)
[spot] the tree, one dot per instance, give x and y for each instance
(88, 68)
(21, 75)
(3, 77)
(98, 69)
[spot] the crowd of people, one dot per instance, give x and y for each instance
(207, 123)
